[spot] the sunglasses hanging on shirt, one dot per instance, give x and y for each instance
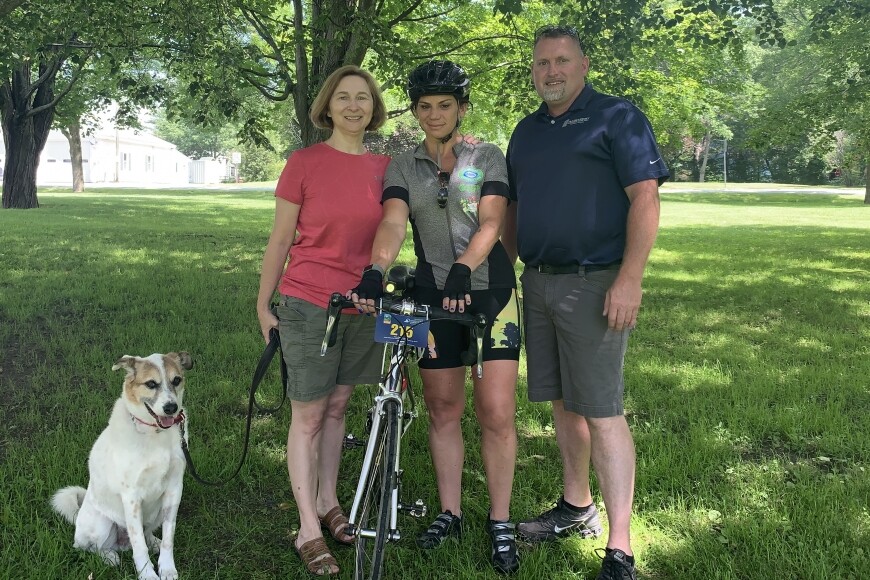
(443, 182)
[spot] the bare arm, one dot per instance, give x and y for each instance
(491, 215)
(388, 242)
(391, 233)
(274, 258)
(509, 232)
(623, 298)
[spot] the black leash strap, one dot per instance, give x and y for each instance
(262, 366)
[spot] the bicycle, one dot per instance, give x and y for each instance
(376, 503)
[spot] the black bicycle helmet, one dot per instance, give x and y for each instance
(438, 77)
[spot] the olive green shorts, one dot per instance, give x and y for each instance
(354, 359)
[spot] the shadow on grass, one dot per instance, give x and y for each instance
(746, 392)
(747, 386)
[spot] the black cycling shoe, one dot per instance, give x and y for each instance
(504, 555)
(444, 526)
(615, 565)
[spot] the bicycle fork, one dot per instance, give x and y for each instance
(396, 505)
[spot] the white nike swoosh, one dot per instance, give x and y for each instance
(558, 530)
(656, 161)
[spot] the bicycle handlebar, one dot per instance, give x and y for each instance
(407, 307)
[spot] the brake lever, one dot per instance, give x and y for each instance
(479, 326)
(332, 315)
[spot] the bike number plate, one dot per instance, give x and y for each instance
(392, 328)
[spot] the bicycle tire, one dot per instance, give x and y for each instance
(369, 561)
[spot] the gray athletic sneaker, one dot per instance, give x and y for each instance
(559, 522)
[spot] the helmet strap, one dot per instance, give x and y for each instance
(455, 130)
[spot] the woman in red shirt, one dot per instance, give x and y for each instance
(327, 209)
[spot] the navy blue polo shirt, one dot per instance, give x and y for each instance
(568, 175)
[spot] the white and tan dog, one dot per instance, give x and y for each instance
(136, 469)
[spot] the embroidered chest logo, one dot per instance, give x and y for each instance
(575, 121)
(471, 175)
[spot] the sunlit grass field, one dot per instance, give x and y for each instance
(747, 390)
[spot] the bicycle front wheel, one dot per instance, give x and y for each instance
(375, 507)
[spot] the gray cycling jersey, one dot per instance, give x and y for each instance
(441, 235)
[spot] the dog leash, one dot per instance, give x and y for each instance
(262, 366)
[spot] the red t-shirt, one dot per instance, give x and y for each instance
(340, 199)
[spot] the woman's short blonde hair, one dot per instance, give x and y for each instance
(320, 106)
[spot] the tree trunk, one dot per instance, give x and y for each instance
(73, 134)
(27, 113)
(867, 182)
(337, 40)
(705, 145)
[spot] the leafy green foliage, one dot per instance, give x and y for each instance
(817, 86)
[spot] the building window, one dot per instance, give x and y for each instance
(125, 161)
(149, 164)
(52, 160)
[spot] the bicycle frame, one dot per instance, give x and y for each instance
(380, 477)
(389, 389)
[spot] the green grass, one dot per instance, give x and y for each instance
(746, 389)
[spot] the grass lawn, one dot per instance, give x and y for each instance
(747, 390)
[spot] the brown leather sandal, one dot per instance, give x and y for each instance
(317, 557)
(336, 522)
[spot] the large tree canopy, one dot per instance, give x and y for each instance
(49, 48)
(682, 60)
(819, 86)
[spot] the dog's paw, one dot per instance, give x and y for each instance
(166, 566)
(148, 573)
(153, 543)
(111, 557)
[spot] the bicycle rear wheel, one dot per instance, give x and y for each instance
(375, 507)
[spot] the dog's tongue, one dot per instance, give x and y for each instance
(167, 421)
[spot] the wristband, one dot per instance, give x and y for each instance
(376, 267)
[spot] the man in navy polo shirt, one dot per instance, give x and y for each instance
(584, 172)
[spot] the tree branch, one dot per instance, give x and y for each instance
(397, 112)
(267, 37)
(269, 92)
(447, 51)
(50, 72)
(300, 48)
(72, 81)
(430, 16)
(405, 13)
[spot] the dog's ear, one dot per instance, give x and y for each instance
(183, 359)
(125, 362)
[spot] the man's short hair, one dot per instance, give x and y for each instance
(559, 31)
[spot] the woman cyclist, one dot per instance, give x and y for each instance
(455, 194)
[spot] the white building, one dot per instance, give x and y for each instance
(112, 155)
(212, 170)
